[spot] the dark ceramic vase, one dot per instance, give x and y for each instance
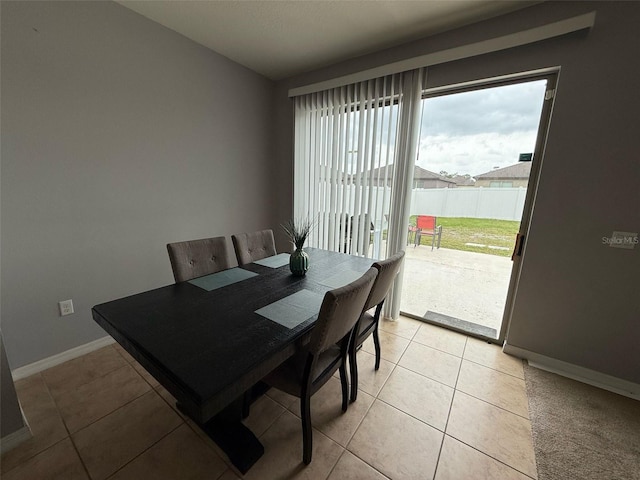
(299, 262)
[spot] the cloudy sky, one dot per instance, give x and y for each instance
(473, 132)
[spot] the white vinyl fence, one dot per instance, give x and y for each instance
(471, 202)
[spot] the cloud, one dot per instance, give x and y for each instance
(473, 154)
(474, 132)
(506, 109)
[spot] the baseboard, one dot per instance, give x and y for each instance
(575, 372)
(14, 439)
(54, 360)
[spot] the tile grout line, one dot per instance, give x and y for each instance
(59, 414)
(425, 376)
(104, 416)
(335, 464)
(490, 456)
(470, 446)
(107, 414)
(375, 398)
(410, 415)
(366, 463)
(446, 424)
(30, 457)
(73, 444)
(112, 411)
(494, 405)
(436, 348)
(55, 402)
(144, 451)
(491, 368)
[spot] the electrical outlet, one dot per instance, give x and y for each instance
(66, 307)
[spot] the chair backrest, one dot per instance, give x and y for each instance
(426, 222)
(195, 258)
(387, 271)
(253, 246)
(340, 310)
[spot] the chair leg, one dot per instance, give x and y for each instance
(376, 344)
(353, 368)
(345, 386)
(307, 434)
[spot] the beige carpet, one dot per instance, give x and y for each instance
(582, 432)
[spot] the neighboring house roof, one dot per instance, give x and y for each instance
(418, 174)
(520, 170)
(422, 174)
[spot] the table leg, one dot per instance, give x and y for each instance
(236, 440)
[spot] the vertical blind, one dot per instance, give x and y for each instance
(354, 163)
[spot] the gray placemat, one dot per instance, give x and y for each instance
(341, 279)
(291, 311)
(222, 279)
(276, 261)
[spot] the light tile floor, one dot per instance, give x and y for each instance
(442, 406)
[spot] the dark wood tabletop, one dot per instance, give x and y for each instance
(209, 347)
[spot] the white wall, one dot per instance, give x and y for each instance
(577, 299)
(118, 136)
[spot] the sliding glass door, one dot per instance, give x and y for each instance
(473, 175)
(387, 164)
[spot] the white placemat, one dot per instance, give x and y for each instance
(291, 311)
(341, 279)
(275, 261)
(222, 279)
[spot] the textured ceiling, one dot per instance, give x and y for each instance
(283, 38)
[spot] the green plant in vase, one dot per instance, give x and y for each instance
(298, 231)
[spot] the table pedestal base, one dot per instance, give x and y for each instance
(227, 430)
(237, 441)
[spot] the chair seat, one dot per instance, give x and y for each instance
(289, 376)
(366, 323)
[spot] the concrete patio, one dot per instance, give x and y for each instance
(465, 285)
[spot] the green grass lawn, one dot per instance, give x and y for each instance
(457, 232)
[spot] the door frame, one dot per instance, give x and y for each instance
(544, 126)
(552, 76)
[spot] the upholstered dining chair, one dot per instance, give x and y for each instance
(253, 246)
(368, 324)
(312, 366)
(195, 258)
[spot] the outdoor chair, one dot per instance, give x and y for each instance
(250, 247)
(368, 324)
(427, 225)
(364, 239)
(195, 258)
(311, 367)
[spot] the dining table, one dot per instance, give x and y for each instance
(210, 340)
